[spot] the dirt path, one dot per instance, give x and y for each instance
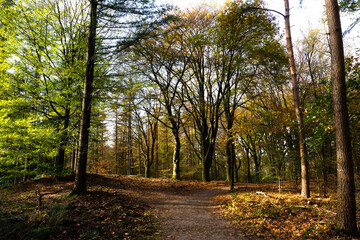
(192, 217)
(185, 208)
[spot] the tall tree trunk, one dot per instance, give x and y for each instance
(80, 178)
(346, 206)
(130, 138)
(147, 166)
(305, 186)
(248, 165)
(117, 165)
(207, 157)
(156, 151)
(176, 157)
(230, 158)
(60, 159)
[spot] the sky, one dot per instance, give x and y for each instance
(309, 15)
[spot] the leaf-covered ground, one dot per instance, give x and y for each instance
(103, 213)
(261, 211)
(117, 208)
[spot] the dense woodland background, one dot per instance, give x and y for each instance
(176, 93)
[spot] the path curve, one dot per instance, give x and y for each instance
(193, 217)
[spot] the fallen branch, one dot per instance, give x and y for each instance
(325, 210)
(262, 193)
(40, 195)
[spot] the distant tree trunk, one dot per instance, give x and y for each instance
(305, 188)
(229, 112)
(176, 157)
(60, 159)
(207, 157)
(248, 165)
(230, 157)
(73, 159)
(80, 178)
(147, 166)
(346, 205)
(130, 137)
(156, 150)
(139, 150)
(117, 165)
(237, 168)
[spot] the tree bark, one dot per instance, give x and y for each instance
(80, 178)
(117, 165)
(230, 157)
(176, 157)
(60, 159)
(346, 206)
(305, 188)
(130, 139)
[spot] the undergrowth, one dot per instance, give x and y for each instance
(272, 215)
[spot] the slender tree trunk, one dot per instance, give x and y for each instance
(176, 157)
(248, 165)
(346, 205)
(230, 157)
(147, 169)
(237, 168)
(73, 159)
(156, 150)
(60, 159)
(80, 178)
(139, 150)
(305, 188)
(130, 139)
(117, 165)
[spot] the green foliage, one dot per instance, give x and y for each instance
(41, 69)
(58, 214)
(24, 147)
(349, 5)
(40, 233)
(8, 222)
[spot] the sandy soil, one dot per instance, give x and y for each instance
(185, 208)
(192, 216)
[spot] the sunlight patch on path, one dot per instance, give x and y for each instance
(193, 217)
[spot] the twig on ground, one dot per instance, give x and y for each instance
(40, 195)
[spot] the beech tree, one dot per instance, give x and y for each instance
(147, 118)
(163, 62)
(202, 91)
(242, 60)
(46, 58)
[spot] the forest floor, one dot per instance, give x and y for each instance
(129, 207)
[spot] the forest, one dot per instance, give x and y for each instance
(126, 87)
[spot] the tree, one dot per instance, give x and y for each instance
(51, 58)
(202, 90)
(346, 203)
(163, 62)
(350, 6)
(314, 81)
(147, 125)
(305, 183)
(46, 57)
(243, 57)
(120, 15)
(80, 178)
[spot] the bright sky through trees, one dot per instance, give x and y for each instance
(310, 14)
